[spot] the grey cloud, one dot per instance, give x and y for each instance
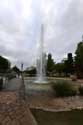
(66, 30)
(19, 32)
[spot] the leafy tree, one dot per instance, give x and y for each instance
(66, 70)
(31, 71)
(4, 64)
(70, 63)
(59, 68)
(79, 59)
(16, 69)
(50, 63)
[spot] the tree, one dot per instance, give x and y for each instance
(69, 64)
(31, 71)
(66, 70)
(79, 59)
(4, 65)
(59, 68)
(16, 69)
(50, 63)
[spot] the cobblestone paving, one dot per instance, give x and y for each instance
(14, 111)
(55, 104)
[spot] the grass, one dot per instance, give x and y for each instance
(58, 118)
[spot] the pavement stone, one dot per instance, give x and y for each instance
(13, 111)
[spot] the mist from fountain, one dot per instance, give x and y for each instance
(41, 61)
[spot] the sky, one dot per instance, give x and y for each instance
(20, 28)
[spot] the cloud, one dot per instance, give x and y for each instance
(20, 27)
(66, 29)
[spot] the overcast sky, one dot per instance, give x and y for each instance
(20, 22)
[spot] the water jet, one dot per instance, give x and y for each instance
(41, 61)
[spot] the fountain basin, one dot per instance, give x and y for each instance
(41, 81)
(34, 87)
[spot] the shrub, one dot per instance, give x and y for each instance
(81, 90)
(1, 84)
(63, 88)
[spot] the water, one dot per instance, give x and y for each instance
(58, 118)
(41, 61)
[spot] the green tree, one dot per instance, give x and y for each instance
(50, 63)
(31, 71)
(66, 67)
(79, 59)
(70, 64)
(59, 68)
(16, 69)
(4, 65)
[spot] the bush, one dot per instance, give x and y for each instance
(1, 84)
(63, 88)
(81, 90)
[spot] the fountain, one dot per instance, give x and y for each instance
(40, 85)
(41, 61)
